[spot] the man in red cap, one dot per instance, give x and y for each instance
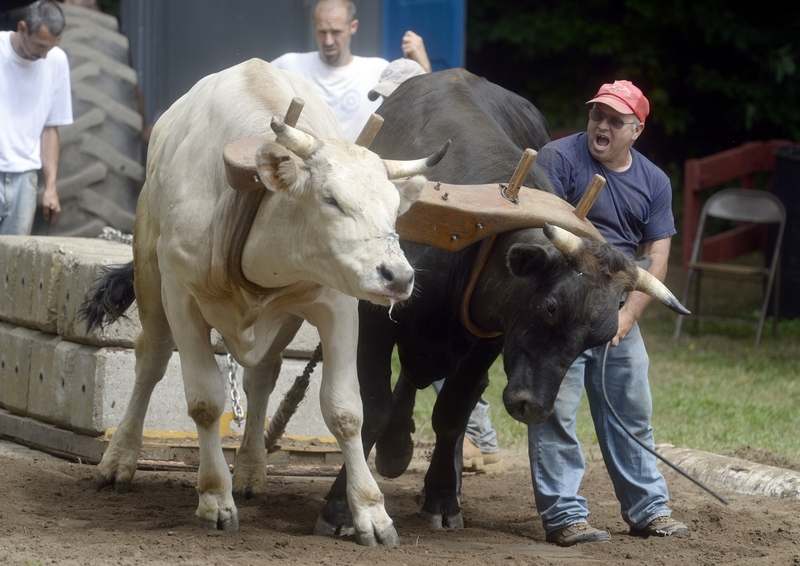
(634, 214)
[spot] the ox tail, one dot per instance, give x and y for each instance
(289, 403)
(109, 297)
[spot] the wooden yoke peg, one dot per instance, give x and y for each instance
(511, 191)
(369, 131)
(590, 196)
(293, 113)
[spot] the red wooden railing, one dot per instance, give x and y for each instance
(732, 168)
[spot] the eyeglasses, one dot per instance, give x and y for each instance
(597, 115)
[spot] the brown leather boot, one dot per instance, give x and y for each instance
(472, 457)
(576, 533)
(662, 526)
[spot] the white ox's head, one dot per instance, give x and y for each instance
(339, 226)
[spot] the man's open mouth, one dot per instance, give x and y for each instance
(601, 140)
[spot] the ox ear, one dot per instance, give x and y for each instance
(524, 260)
(278, 168)
(410, 190)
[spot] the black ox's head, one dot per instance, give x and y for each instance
(563, 298)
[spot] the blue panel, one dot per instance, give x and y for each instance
(441, 23)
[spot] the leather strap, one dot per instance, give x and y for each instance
(477, 268)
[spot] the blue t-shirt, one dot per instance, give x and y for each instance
(634, 207)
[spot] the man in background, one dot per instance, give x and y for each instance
(345, 79)
(34, 100)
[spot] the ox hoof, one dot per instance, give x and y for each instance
(326, 528)
(114, 473)
(335, 519)
(217, 513)
(119, 481)
(374, 526)
(119, 485)
(249, 482)
(386, 536)
(438, 521)
(224, 522)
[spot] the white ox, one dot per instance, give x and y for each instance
(254, 264)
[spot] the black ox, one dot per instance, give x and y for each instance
(551, 295)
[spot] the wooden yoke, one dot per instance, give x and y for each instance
(511, 191)
(452, 217)
(590, 196)
(370, 131)
(240, 155)
(293, 113)
(576, 220)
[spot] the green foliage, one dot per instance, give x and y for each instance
(717, 73)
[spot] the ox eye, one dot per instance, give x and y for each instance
(334, 203)
(550, 306)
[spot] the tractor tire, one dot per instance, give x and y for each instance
(100, 171)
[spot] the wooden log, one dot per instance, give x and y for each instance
(369, 131)
(511, 192)
(590, 196)
(741, 476)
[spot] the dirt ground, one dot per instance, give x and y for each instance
(51, 514)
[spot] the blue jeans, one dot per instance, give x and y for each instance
(557, 463)
(17, 202)
(479, 427)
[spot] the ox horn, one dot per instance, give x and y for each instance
(566, 242)
(569, 244)
(300, 143)
(399, 169)
(648, 283)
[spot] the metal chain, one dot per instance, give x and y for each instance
(236, 398)
(115, 235)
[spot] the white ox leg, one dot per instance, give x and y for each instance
(250, 472)
(205, 398)
(153, 351)
(250, 469)
(340, 400)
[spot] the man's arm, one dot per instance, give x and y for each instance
(658, 253)
(414, 48)
(50, 148)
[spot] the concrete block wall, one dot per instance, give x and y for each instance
(52, 369)
(44, 281)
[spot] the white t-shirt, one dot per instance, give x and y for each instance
(343, 88)
(33, 94)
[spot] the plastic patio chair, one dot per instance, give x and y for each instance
(738, 205)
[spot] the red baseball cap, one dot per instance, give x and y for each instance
(624, 97)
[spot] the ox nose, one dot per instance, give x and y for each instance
(524, 408)
(396, 279)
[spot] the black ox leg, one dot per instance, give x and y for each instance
(443, 479)
(395, 447)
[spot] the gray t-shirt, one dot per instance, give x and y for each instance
(634, 207)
